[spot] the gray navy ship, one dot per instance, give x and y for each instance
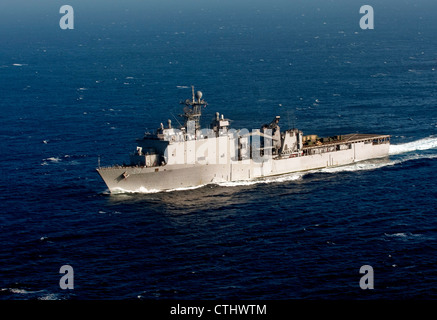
(191, 156)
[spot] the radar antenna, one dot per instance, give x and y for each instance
(193, 108)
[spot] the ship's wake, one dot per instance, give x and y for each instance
(418, 145)
(398, 153)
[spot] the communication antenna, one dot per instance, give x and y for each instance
(192, 91)
(176, 119)
(193, 108)
(288, 117)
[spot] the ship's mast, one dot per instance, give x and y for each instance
(193, 108)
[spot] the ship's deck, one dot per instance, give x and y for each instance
(352, 138)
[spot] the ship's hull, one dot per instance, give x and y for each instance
(167, 177)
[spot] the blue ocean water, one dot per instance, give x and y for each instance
(71, 97)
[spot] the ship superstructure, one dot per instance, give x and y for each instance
(190, 156)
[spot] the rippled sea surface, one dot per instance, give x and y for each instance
(70, 97)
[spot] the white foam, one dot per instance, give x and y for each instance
(50, 296)
(185, 188)
(422, 144)
(358, 166)
(287, 177)
(52, 159)
(19, 291)
(403, 235)
(47, 296)
(239, 183)
(140, 190)
(145, 190)
(265, 180)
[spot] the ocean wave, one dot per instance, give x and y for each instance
(31, 294)
(65, 159)
(403, 235)
(18, 291)
(46, 161)
(50, 296)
